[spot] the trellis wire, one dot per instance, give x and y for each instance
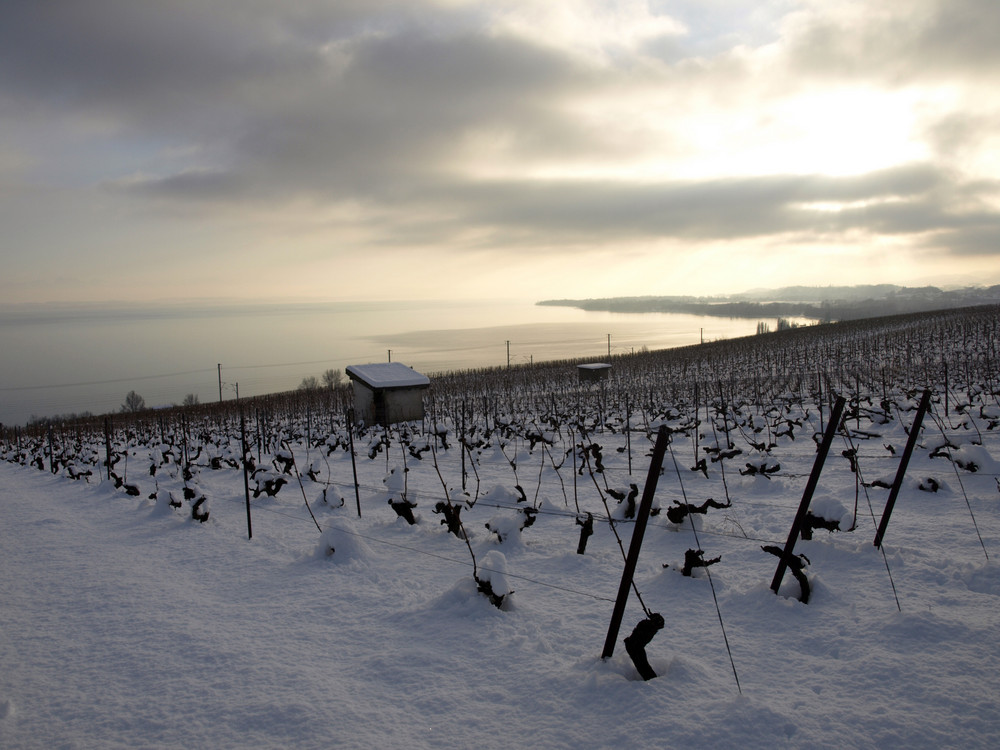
(708, 572)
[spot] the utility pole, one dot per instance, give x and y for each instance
(508, 354)
(609, 346)
(220, 382)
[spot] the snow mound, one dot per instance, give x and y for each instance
(342, 546)
(462, 601)
(493, 571)
(983, 579)
(329, 498)
(395, 481)
(507, 528)
(832, 509)
(166, 503)
(975, 458)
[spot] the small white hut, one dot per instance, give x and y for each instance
(593, 371)
(387, 392)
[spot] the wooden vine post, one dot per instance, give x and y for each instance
(696, 410)
(107, 445)
(819, 398)
(628, 433)
(463, 448)
(897, 483)
(246, 472)
(831, 430)
(655, 464)
(354, 463)
(52, 454)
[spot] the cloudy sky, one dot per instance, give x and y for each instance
(370, 149)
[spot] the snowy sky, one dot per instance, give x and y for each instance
(357, 149)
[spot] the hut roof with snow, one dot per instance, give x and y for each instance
(387, 375)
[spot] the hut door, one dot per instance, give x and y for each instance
(380, 407)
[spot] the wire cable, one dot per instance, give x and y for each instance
(708, 572)
(871, 510)
(954, 466)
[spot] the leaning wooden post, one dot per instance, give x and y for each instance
(897, 483)
(246, 474)
(831, 429)
(354, 464)
(659, 449)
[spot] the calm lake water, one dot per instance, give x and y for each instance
(58, 360)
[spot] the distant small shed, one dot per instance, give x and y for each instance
(593, 371)
(387, 392)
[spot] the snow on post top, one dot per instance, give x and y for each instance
(387, 375)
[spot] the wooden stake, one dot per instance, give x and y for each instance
(107, 445)
(354, 465)
(897, 483)
(462, 447)
(52, 454)
(246, 473)
(659, 449)
(628, 433)
(831, 429)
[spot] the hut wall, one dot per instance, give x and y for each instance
(387, 406)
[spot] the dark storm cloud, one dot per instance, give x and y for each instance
(284, 102)
(154, 64)
(403, 105)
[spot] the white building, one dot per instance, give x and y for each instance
(387, 392)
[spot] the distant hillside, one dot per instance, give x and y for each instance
(819, 303)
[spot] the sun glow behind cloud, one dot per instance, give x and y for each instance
(832, 133)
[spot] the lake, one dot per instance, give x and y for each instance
(60, 359)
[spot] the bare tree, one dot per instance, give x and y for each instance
(331, 378)
(133, 403)
(190, 400)
(309, 384)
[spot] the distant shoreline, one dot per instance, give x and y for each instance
(822, 304)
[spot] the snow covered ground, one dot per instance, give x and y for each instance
(126, 623)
